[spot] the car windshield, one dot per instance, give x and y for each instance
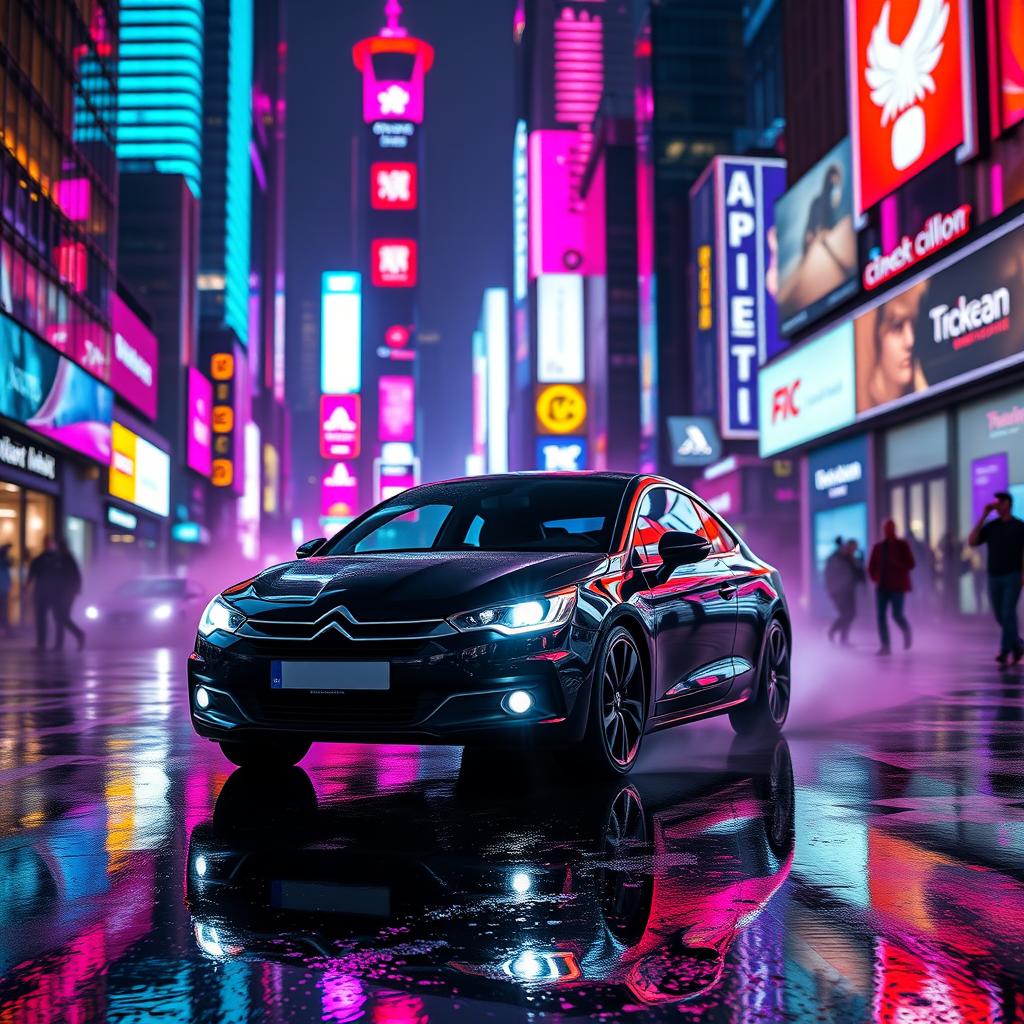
(152, 588)
(491, 514)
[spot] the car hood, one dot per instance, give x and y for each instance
(410, 585)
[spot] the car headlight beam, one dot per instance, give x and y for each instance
(220, 615)
(518, 617)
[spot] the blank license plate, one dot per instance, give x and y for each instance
(330, 675)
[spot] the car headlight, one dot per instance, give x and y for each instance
(92, 613)
(520, 616)
(220, 615)
(162, 612)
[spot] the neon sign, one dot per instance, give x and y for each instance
(940, 230)
(393, 262)
(393, 186)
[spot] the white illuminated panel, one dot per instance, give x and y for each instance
(341, 333)
(496, 348)
(152, 478)
(560, 329)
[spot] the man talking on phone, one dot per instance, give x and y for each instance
(1004, 538)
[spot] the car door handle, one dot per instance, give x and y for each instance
(728, 591)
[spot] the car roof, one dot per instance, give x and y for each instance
(588, 474)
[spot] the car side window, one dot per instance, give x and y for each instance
(662, 510)
(721, 537)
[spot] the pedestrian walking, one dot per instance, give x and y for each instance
(889, 567)
(68, 591)
(1004, 538)
(44, 585)
(6, 583)
(842, 574)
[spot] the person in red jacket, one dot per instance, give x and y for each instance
(889, 568)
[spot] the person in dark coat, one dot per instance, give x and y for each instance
(889, 567)
(842, 574)
(70, 586)
(44, 585)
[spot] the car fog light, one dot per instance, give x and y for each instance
(202, 697)
(521, 883)
(518, 702)
(92, 613)
(201, 862)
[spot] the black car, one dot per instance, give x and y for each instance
(556, 610)
(579, 899)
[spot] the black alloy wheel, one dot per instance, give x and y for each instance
(620, 704)
(766, 713)
(625, 881)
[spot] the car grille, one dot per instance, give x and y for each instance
(334, 710)
(337, 627)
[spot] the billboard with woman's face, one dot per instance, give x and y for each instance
(958, 323)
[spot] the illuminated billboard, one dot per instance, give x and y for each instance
(557, 227)
(1006, 63)
(339, 493)
(53, 396)
(340, 426)
(495, 327)
(746, 190)
(961, 320)
(560, 347)
(808, 392)
(394, 66)
(140, 473)
(561, 409)
(133, 359)
(200, 429)
(910, 87)
(817, 241)
(520, 215)
(393, 262)
(562, 454)
(396, 408)
(341, 333)
(394, 186)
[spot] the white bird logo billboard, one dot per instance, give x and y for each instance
(910, 89)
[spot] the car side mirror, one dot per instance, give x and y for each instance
(309, 548)
(678, 547)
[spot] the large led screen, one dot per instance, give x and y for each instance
(910, 89)
(140, 473)
(959, 321)
(341, 326)
(53, 396)
(817, 241)
(807, 393)
(133, 359)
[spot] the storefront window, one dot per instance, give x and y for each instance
(26, 519)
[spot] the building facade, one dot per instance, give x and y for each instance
(901, 285)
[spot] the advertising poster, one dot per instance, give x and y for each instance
(53, 396)
(200, 429)
(341, 332)
(817, 241)
(561, 454)
(1006, 35)
(133, 359)
(340, 423)
(560, 348)
(396, 409)
(910, 75)
(989, 474)
(963, 319)
(703, 295)
(808, 393)
(746, 191)
(140, 473)
(339, 493)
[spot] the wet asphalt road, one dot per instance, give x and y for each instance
(869, 868)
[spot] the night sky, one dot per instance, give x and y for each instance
(466, 199)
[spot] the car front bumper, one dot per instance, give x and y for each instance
(446, 690)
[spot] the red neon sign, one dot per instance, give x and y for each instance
(393, 186)
(393, 262)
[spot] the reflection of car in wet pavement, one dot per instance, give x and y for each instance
(148, 607)
(580, 899)
(576, 611)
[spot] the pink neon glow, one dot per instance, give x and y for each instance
(595, 223)
(200, 434)
(393, 99)
(133, 359)
(339, 492)
(998, 193)
(396, 408)
(340, 426)
(557, 224)
(888, 215)
(74, 197)
(72, 264)
(393, 13)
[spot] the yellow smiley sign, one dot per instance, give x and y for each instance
(561, 409)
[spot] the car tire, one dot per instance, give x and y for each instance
(262, 753)
(618, 705)
(766, 712)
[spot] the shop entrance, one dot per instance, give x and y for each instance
(27, 517)
(918, 506)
